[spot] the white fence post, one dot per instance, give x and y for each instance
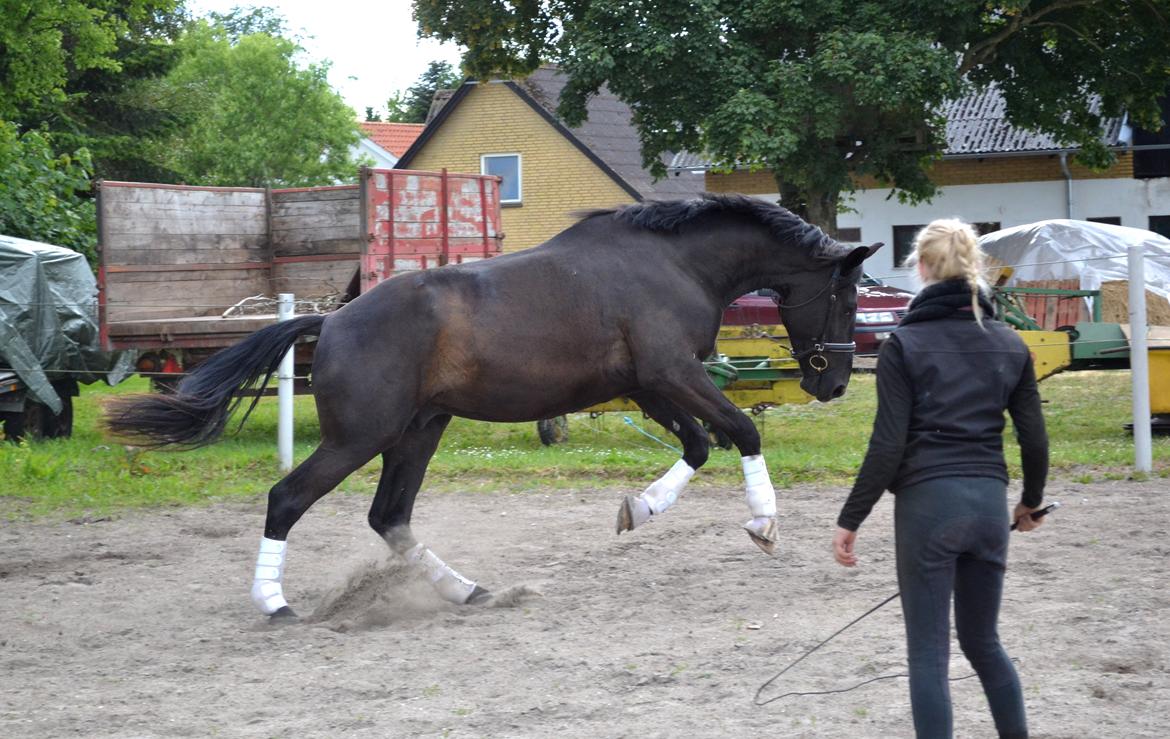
(1139, 361)
(284, 391)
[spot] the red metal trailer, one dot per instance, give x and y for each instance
(407, 230)
(186, 271)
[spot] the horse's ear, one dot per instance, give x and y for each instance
(854, 258)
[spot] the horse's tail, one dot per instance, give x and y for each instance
(197, 413)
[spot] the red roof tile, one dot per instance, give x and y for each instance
(395, 138)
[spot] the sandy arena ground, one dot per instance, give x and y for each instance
(141, 626)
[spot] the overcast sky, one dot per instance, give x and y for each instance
(374, 46)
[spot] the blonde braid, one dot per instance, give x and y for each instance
(974, 271)
(948, 249)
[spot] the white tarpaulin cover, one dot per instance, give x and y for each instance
(1079, 250)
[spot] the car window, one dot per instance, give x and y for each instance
(868, 280)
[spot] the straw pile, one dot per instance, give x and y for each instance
(1115, 305)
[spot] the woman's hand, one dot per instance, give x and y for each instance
(843, 547)
(1022, 516)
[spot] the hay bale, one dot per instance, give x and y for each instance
(1115, 304)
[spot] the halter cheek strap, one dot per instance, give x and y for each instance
(816, 352)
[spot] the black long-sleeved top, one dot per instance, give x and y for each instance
(943, 384)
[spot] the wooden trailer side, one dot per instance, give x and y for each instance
(315, 237)
(170, 254)
(175, 258)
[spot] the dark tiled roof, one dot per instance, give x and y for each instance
(689, 160)
(609, 134)
(976, 124)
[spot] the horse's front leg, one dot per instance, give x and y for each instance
(403, 469)
(663, 492)
(688, 387)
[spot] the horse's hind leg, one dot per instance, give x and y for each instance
(288, 500)
(664, 491)
(403, 469)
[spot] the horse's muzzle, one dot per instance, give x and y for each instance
(822, 388)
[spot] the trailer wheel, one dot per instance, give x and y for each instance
(553, 430)
(60, 426)
(28, 423)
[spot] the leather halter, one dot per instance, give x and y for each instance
(816, 352)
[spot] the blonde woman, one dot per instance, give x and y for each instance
(944, 379)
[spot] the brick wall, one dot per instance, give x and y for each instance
(742, 181)
(556, 178)
(1015, 169)
(949, 172)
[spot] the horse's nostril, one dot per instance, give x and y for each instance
(838, 391)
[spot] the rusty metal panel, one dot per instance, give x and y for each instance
(418, 220)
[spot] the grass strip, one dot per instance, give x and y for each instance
(91, 475)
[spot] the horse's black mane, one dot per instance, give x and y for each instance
(672, 215)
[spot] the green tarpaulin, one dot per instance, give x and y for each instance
(49, 320)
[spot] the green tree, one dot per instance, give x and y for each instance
(820, 93)
(259, 116)
(43, 196)
(412, 104)
(117, 114)
(245, 21)
(43, 42)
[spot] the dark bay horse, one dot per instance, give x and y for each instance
(627, 302)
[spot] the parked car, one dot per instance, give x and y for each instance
(879, 308)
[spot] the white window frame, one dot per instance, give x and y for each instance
(519, 174)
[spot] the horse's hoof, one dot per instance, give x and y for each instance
(764, 534)
(478, 595)
(283, 615)
(633, 513)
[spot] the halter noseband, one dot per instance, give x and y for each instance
(816, 352)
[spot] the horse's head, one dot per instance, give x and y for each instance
(819, 310)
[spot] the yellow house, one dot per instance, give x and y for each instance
(549, 170)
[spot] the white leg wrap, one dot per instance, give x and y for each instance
(450, 584)
(761, 496)
(664, 491)
(267, 592)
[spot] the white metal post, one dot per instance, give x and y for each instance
(284, 391)
(1139, 361)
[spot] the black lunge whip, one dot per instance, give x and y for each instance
(1035, 516)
